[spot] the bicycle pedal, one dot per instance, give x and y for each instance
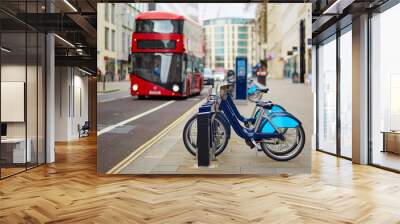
(250, 144)
(258, 146)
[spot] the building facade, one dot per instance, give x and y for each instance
(261, 31)
(279, 42)
(115, 30)
(227, 38)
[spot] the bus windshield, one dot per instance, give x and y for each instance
(159, 26)
(162, 68)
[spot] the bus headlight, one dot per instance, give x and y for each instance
(175, 88)
(135, 87)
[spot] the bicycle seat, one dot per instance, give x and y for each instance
(265, 90)
(265, 104)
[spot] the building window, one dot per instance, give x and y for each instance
(219, 43)
(243, 29)
(219, 51)
(219, 58)
(346, 94)
(106, 9)
(242, 51)
(219, 36)
(242, 43)
(128, 37)
(113, 13)
(219, 65)
(385, 89)
(22, 107)
(124, 44)
(243, 36)
(113, 40)
(106, 40)
(219, 29)
(327, 96)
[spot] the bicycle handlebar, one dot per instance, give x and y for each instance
(265, 104)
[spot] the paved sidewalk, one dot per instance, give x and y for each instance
(116, 86)
(169, 156)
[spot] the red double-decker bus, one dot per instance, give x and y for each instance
(167, 56)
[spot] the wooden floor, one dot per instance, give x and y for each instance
(69, 191)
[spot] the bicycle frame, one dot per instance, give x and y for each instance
(248, 134)
(254, 115)
(236, 111)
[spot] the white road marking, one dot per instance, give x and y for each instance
(109, 128)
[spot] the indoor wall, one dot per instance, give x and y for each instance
(71, 102)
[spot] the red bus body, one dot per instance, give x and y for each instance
(167, 56)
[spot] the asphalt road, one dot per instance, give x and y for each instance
(117, 143)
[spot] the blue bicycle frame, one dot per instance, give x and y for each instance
(243, 132)
(267, 128)
(275, 108)
(236, 111)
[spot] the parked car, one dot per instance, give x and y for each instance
(208, 77)
(219, 76)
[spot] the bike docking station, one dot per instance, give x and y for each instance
(241, 80)
(205, 142)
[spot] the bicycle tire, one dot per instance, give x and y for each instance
(287, 156)
(191, 148)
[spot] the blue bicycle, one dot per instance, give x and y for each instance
(222, 123)
(278, 133)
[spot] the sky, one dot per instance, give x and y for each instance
(215, 10)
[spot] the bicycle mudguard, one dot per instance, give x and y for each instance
(279, 120)
(277, 108)
(252, 90)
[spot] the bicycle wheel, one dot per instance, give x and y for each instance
(220, 134)
(287, 149)
(282, 147)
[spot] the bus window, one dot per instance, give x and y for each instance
(157, 67)
(189, 64)
(159, 26)
(156, 44)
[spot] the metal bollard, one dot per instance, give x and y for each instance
(203, 135)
